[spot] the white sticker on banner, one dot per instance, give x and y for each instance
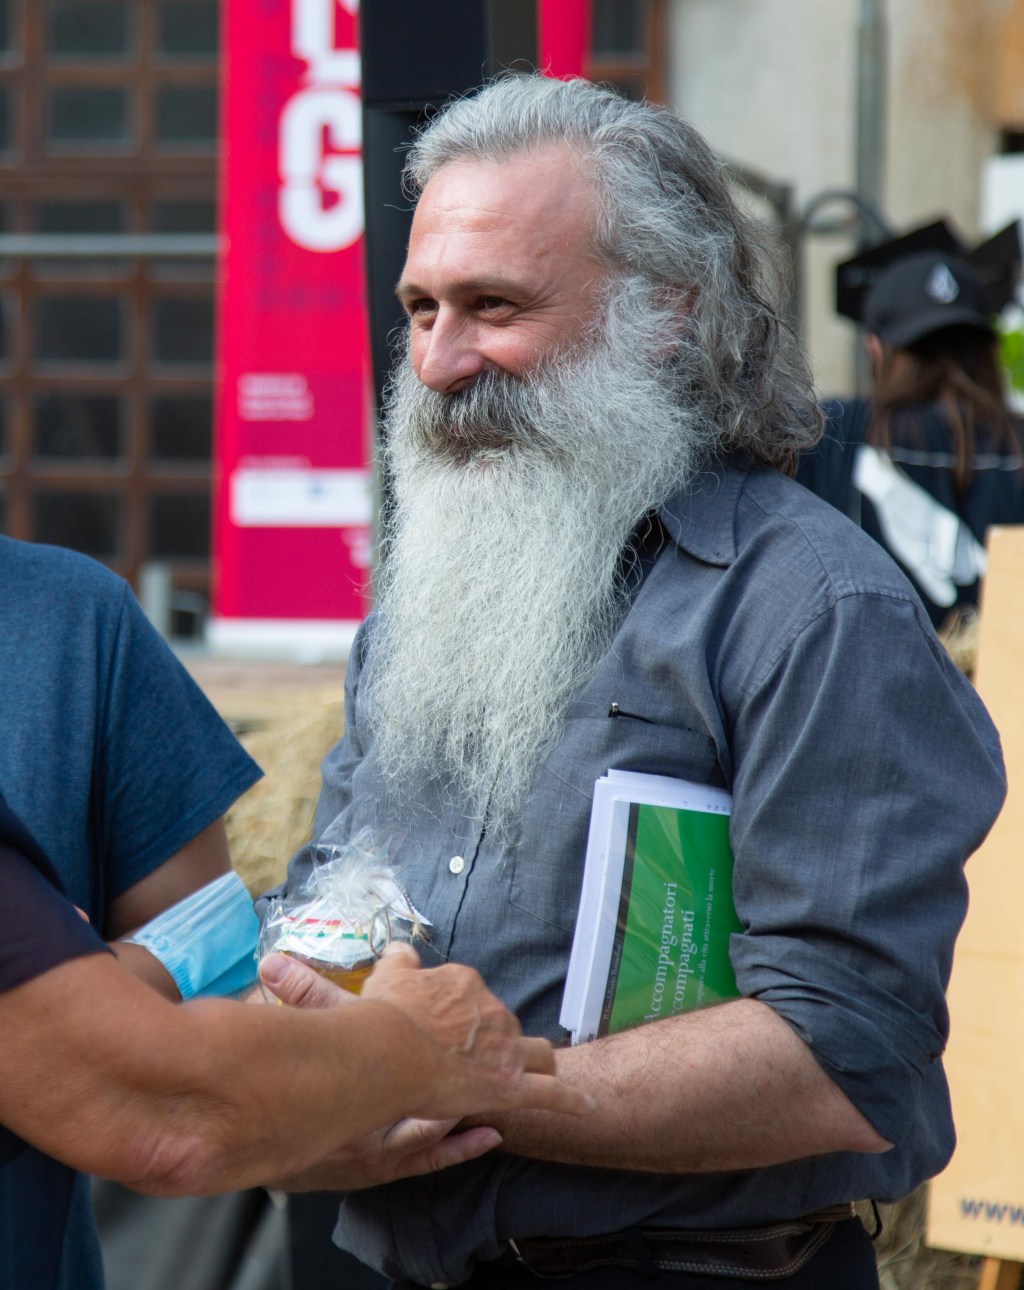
(300, 498)
(274, 396)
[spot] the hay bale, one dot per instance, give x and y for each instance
(904, 1261)
(959, 634)
(273, 819)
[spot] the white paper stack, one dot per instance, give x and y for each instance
(587, 979)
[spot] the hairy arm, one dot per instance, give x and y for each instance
(213, 1095)
(731, 1087)
(180, 1100)
(849, 881)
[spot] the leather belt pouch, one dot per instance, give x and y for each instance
(758, 1253)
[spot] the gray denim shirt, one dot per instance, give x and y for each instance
(775, 650)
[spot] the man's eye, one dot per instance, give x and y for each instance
(420, 307)
(491, 304)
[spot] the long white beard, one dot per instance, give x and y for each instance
(502, 583)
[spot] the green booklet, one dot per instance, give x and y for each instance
(656, 910)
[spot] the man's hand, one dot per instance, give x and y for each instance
(481, 1061)
(402, 1150)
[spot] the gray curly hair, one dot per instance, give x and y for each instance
(665, 214)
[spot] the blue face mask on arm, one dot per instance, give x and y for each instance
(207, 942)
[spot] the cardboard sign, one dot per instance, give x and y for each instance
(977, 1205)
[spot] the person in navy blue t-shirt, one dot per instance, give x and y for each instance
(101, 1073)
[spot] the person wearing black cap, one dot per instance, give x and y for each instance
(934, 457)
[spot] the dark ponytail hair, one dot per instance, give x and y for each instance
(957, 369)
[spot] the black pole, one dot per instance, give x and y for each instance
(415, 57)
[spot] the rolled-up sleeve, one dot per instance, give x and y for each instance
(867, 772)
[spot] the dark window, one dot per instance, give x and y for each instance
(189, 612)
(184, 216)
(88, 29)
(80, 217)
(6, 119)
(628, 47)
(179, 526)
(5, 412)
(89, 117)
(187, 115)
(6, 41)
(89, 522)
(180, 427)
(8, 312)
(188, 29)
(620, 28)
(77, 426)
(79, 329)
(183, 330)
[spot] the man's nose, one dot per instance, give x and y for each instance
(446, 358)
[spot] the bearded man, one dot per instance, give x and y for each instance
(596, 560)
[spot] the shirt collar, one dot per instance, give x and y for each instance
(702, 518)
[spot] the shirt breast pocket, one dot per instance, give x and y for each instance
(547, 862)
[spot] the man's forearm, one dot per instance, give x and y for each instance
(213, 1096)
(200, 1098)
(142, 965)
(730, 1087)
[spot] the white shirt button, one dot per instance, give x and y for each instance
(456, 864)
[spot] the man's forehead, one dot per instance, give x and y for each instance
(550, 175)
(530, 214)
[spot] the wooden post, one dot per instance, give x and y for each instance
(1000, 1274)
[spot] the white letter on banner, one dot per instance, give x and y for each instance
(329, 107)
(313, 30)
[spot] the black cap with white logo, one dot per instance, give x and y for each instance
(926, 279)
(923, 294)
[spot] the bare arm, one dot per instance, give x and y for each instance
(746, 1088)
(214, 1095)
(730, 1087)
(199, 861)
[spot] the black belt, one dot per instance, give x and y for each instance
(760, 1253)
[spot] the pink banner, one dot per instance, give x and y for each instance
(563, 36)
(292, 506)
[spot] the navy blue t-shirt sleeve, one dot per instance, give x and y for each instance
(168, 766)
(41, 927)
